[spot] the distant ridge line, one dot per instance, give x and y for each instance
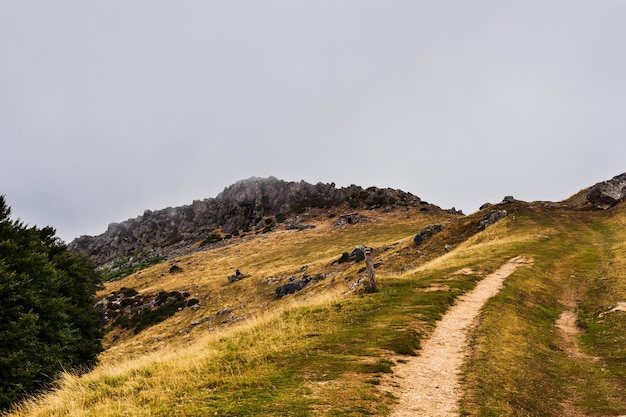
(241, 207)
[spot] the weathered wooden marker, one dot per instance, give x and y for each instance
(369, 266)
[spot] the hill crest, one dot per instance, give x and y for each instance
(258, 205)
(253, 205)
(338, 340)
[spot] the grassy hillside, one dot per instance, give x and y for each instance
(325, 350)
(521, 365)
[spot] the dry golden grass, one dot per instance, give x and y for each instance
(172, 361)
(170, 378)
(321, 351)
(269, 260)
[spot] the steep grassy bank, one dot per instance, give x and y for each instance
(520, 366)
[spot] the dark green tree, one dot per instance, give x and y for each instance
(47, 320)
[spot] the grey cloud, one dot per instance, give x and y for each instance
(110, 108)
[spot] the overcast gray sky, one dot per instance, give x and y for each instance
(111, 107)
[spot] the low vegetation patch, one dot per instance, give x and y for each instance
(326, 350)
(126, 267)
(129, 310)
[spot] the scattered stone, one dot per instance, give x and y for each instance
(357, 255)
(455, 212)
(348, 219)
(343, 258)
(298, 225)
(427, 232)
(491, 217)
(193, 302)
(292, 286)
(272, 280)
(358, 283)
(237, 276)
(607, 194)
(223, 312)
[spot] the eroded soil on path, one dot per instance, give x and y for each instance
(428, 385)
(568, 331)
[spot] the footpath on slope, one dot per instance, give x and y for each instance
(428, 385)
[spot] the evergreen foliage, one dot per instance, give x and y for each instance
(47, 320)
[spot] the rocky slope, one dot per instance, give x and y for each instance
(258, 205)
(252, 205)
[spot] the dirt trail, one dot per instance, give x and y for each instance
(428, 385)
(568, 330)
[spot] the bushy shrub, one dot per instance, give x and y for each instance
(48, 320)
(128, 292)
(166, 305)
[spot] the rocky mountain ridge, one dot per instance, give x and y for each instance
(258, 205)
(252, 205)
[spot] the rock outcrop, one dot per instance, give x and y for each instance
(347, 219)
(490, 218)
(427, 232)
(357, 255)
(130, 310)
(255, 204)
(607, 194)
(292, 286)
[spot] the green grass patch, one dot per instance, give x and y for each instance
(336, 359)
(520, 366)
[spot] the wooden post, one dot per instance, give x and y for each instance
(369, 266)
